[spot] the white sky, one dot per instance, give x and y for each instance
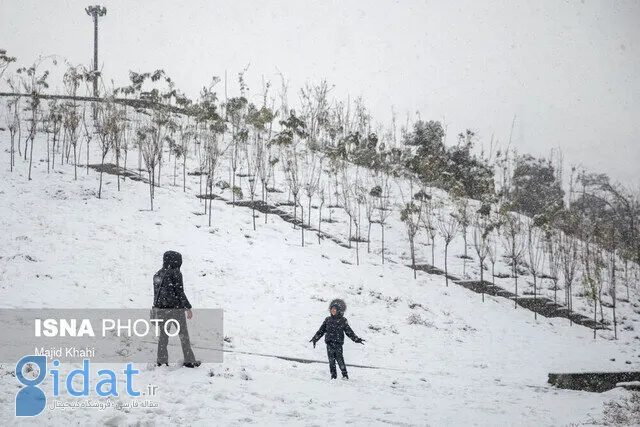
(568, 70)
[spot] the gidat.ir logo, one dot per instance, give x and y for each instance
(31, 400)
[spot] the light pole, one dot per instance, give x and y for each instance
(95, 12)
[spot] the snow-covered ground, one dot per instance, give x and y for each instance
(459, 362)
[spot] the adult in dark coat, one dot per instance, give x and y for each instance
(334, 328)
(170, 302)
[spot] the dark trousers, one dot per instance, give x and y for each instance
(334, 352)
(163, 339)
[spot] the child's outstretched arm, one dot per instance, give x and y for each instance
(319, 334)
(349, 332)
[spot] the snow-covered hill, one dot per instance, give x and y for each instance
(445, 357)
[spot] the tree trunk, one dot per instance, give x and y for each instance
(26, 145)
(31, 156)
(253, 212)
(233, 192)
(413, 258)
(320, 223)
(535, 298)
(12, 156)
(464, 237)
(209, 200)
(295, 210)
(601, 308)
(433, 251)
(75, 162)
(151, 184)
(382, 232)
(53, 151)
(482, 278)
(265, 191)
(595, 315)
(48, 157)
(515, 275)
(369, 239)
(569, 296)
(100, 186)
(302, 222)
(493, 273)
(446, 270)
(615, 322)
(79, 150)
(64, 142)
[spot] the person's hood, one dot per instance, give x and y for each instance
(171, 259)
(340, 306)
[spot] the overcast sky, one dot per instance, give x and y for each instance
(569, 71)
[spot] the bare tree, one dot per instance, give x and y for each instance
(591, 276)
(236, 110)
(88, 133)
(513, 244)
(535, 255)
(463, 213)
(214, 151)
(312, 170)
(359, 192)
(71, 79)
(186, 134)
(151, 142)
(568, 249)
(33, 83)
(348, 195)
(370, 197)
(55, 119)
(481, 229)
(13, 124)
(107, 122)
(5, 61)
(315, 109)
(448, 226)
(492, 250)
(322, 192)
(429, 220)
(254, 156)
(383, 204)
(554, 260)
(613, 288)
(411, 216)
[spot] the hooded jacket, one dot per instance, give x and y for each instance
(168, 289)
(335, 327)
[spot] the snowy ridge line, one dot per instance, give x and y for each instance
(291, 358)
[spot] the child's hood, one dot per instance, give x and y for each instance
(339, 304)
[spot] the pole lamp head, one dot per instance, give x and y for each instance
(96, 10)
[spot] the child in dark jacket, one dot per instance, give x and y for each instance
(334, 329)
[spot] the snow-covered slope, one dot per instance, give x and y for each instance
(445, 357)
